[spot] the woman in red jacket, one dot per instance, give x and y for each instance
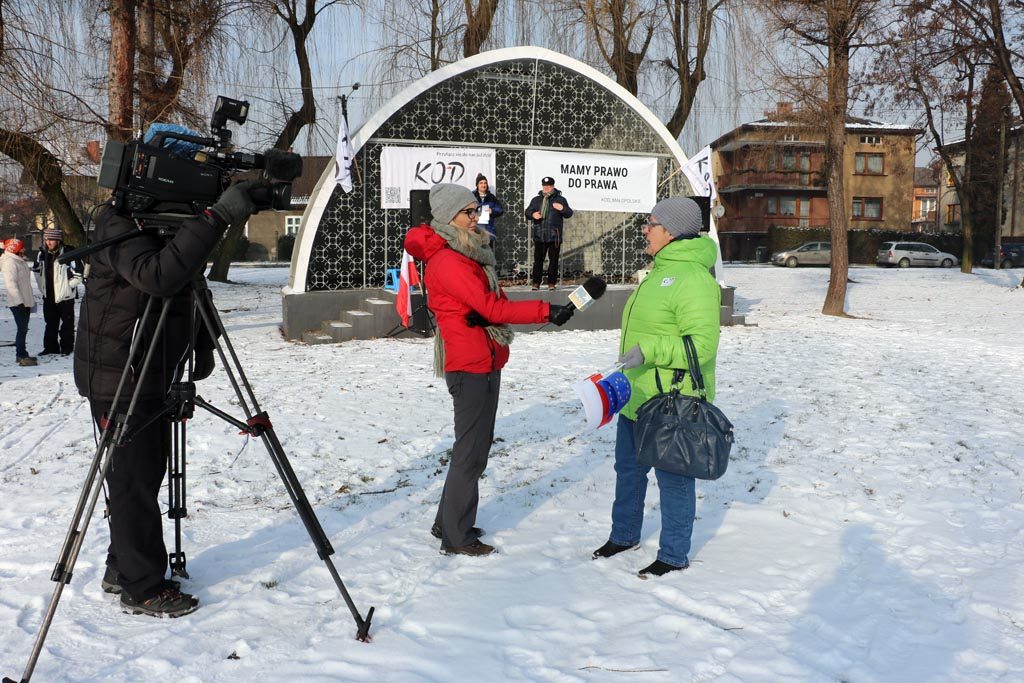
(470, 349)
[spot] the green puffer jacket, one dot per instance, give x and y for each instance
(679, 297)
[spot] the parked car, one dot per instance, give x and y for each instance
(906, 254)
(810, 254)
(1010, 256)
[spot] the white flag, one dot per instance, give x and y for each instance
(698, 171)
(344, 158)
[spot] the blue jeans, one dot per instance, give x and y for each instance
(21, 316)
(678, 501)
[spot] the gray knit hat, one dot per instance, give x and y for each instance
(447, 199)
(680, 216)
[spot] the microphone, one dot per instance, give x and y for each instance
(584, 296)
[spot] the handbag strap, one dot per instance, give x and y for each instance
(696, 378)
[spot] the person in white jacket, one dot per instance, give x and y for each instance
(18, 282)
(58, 284)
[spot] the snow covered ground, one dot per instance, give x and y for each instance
(870, 527)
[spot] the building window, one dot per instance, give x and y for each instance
(788, 160)
(787, 206)
(291, 224)
(870, 139)
(867, 208)
(791, 137)
(952, 214)
(927, 206)
(869, 164)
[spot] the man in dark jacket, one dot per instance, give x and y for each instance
(122, 279)
(547, 211)
(59, 286)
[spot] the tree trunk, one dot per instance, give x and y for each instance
(835, 156)
(48, 175)
(121, 72)
(478, 25)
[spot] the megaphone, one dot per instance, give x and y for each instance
(603, 395)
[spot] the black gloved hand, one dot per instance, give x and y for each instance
(560, 315)
(474, 319)
(203, 364)
(236, 203)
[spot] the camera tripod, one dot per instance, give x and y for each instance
(118, 428)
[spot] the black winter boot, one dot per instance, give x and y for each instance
(658, 568)
(435, 531)
(609, 549)
(169, 602)
(476, 548)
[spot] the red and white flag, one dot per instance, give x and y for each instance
(408, 277)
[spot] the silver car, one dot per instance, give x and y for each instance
(906, 254)
(810, 254)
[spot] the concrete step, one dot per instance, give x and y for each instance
(338, 331)
(317, 337)
(362, 322)
(384, 314)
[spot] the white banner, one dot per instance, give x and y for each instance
(419, 168)
(595, 182)
(697, 170)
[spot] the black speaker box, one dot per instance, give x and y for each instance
(419, 207)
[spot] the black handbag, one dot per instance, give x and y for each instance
(683, 434)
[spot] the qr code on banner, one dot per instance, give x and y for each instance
(392, 195)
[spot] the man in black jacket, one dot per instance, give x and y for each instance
(122, 279)
(547, 211)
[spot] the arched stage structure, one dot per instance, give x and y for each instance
(506, 103)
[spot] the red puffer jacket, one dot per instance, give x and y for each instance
(456, 285)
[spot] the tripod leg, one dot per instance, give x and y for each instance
(259, 424)
(113, 430)
(176, 508)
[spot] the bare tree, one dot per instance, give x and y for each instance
(479, 20)
(299, 17)
(692, 26)
(827, 32)
(622, 31)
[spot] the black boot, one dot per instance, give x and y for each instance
(476, 548)
(659, 568)
(609, 549)
(435, 531)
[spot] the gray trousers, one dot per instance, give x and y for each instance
(475, 396)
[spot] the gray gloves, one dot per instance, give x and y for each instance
(236, 203)
(633, 358)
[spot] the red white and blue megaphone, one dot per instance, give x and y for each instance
(603, 394)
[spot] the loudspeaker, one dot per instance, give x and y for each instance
(420, 320)
(419, 207)
(705, 211)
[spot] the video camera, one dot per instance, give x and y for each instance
(173, 171)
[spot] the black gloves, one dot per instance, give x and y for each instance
(236, 203)
(474, 319)
(560, 315)
(203, 365)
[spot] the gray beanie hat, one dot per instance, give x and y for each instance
(680, 216)
(447, 199)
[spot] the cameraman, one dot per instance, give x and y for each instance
(122, 280)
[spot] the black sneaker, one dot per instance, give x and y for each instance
(435, 531)
(169, 602)
(609, 549)
(476, 548)
(659, 568)
(111, 582)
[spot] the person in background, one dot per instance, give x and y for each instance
(470, 349)
(59, 286)
(679, 297)
(18, 283)
(547, 210)
(490, 207)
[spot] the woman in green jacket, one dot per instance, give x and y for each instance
(679, 297)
